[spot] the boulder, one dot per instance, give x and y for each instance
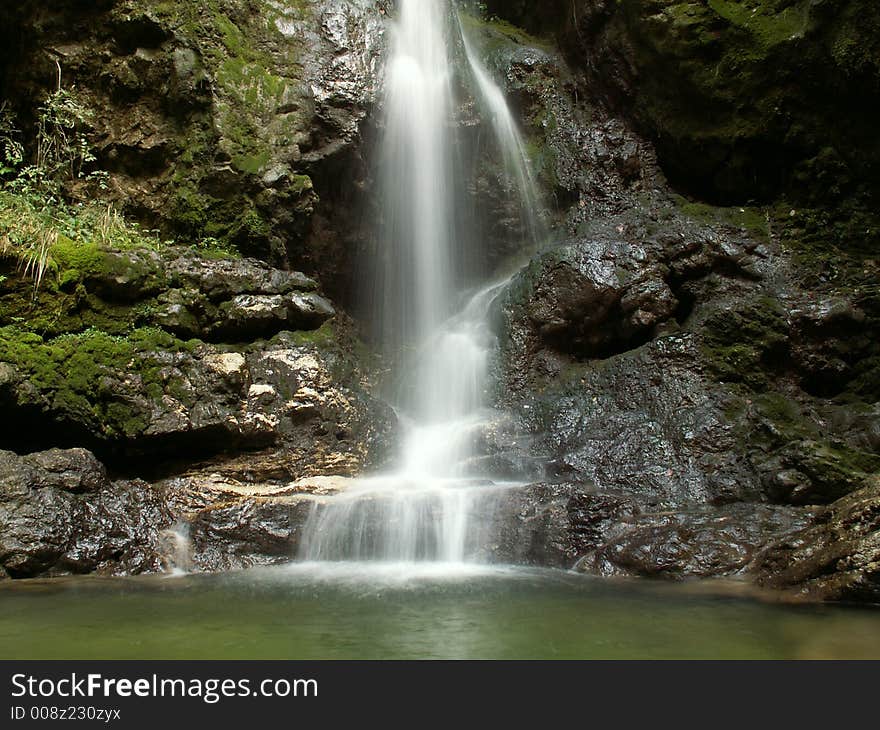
(60, 513)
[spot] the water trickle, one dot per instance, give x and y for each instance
(176, 549)
(437, 506)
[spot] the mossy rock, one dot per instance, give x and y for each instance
(93, 380)
(747, 344)
(743, 98)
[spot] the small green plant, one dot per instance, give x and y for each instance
(27, 234)
(62, 151)
(11, 149)
(215, 248)
(29, 221)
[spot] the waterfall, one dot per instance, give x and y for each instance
(435, 506)
(509, 140)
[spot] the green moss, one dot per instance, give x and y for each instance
(300, 184)
(753, 220)
(769, 23)
(259, 111)
(189, 209)
(252, 164)
(324, 336)
(495, 34)
(714, 83)
(748, 344)
(82, 378)
(831, 246)
(544, 159)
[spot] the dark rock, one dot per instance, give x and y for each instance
(570, 525)
(829, 338)
(552, 524)
(586, 300)
(643, 423)
(255, 315)
(733, 94)
(612, 289)
(246, 533)
(75, 471)
(835, 558)
(604, 360)
(699, 543)
(59, 513)
(223, 279)
(298, 392)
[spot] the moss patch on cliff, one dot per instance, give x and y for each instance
(751, 219)
(747, 344)
(790, 435)
(744, 98)
(199, 102)
(96, 269)
(92, 379)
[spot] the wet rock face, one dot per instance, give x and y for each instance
(834, 558)
(553, 524)
(644, 423)
(284, 396)
(746, 388)
(604, 372)
(614, 288)
(60, 513)
(571, 525)
(663, 347)
(699, 543)
(247, 533)
(664, 351)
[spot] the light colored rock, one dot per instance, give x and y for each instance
(226, 363)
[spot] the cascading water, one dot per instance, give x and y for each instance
(435, 507)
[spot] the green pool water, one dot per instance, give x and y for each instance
(360, 611)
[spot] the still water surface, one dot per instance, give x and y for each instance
(358, 611)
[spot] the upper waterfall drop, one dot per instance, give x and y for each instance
(437, 506)
(415, 177)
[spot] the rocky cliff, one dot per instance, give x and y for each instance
(689, 368)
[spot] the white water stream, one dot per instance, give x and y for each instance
(435, 507)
